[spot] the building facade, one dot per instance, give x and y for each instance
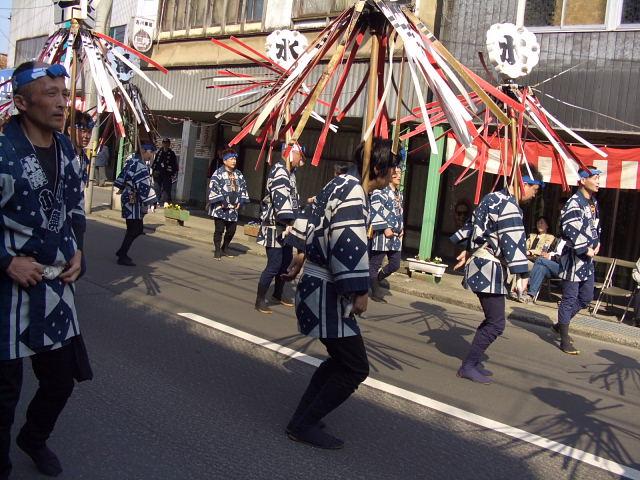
(587, 77)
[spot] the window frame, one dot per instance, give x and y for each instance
(207, 28)
(612, 21)
(328, 13)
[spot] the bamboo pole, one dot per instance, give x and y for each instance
(515, 175)
(287, 136)
(371, 107)
(396, 130)
(75, 27)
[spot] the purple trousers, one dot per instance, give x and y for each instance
(490, 329)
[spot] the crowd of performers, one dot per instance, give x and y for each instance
(336, 245)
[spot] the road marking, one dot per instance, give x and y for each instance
(545, 443)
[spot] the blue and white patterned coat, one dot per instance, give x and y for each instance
(226, 192)
(334, 240)
(137, 193)
(580, 229)
(45, 222)
(496, 225)
(386, 212)
(279, 207)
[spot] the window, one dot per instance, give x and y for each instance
(118, 32)
(253, 10)
(28, 49)
(194, 14)
(560, 13)
(311, 8)
(581, 14)
(630, 12)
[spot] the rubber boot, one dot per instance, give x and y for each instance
(566, 344)
(278, 294)
(261, 302)
(555, 328)
(471, 373)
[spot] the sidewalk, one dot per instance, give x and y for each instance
(605, 327)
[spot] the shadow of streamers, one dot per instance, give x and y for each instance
(443, 331)
(102, 266)
(619, 371)
(541, 325)
(577, 425)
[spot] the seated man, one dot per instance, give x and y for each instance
(547, 265)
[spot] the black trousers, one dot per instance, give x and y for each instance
(166, 186)
(334, 381)
(225, 227)
(54, 371)
(134, 230)
(376, 258)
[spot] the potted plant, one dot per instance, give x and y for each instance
(175, 213)
(252, 229)
(435, 266)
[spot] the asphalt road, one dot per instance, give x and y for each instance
(174, 399)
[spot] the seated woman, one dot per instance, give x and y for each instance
(541, 241)
(538, 246)
(547, 265)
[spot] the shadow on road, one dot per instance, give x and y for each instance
(577, 426)
(543, 333)
(619, 373)
(180, 400)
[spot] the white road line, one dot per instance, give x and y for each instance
(545, 443)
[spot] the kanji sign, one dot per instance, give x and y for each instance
(285, 46)
(513, 51)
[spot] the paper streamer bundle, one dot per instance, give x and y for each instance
(276, 117)
(91, 51)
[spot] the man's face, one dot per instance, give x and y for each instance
(166, 145)
(147, 155)
(396, 176)
(44, 102)
(230, 163)
(591, 184)
(83, 136)
(528, 193)
(296, 158)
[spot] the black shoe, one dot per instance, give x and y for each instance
(126, 261)
(566, 343)
(377, 295)
(227, 253)
(217, 255)
(315, 437)
(290, 427)
(46, 461)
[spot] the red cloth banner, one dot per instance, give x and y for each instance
(621, 167)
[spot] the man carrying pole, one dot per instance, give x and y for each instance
(332, 245)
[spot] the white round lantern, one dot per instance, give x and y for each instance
(285, 46)
(513, 51)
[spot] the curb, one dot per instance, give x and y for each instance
(534, 318)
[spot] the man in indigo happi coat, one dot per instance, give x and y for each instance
(580, 229)
(280, 207)
(84, 127)
(138, 197)
(332, 245)
(42, 228)
(227, 193)
(495, 241)
(387, 224)
(165, 169)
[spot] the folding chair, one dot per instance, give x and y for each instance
(626, 309)
(606, 282)
(610, 290)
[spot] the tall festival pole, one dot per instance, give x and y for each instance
(371, 106)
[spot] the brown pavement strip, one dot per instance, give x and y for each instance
(449, 290)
